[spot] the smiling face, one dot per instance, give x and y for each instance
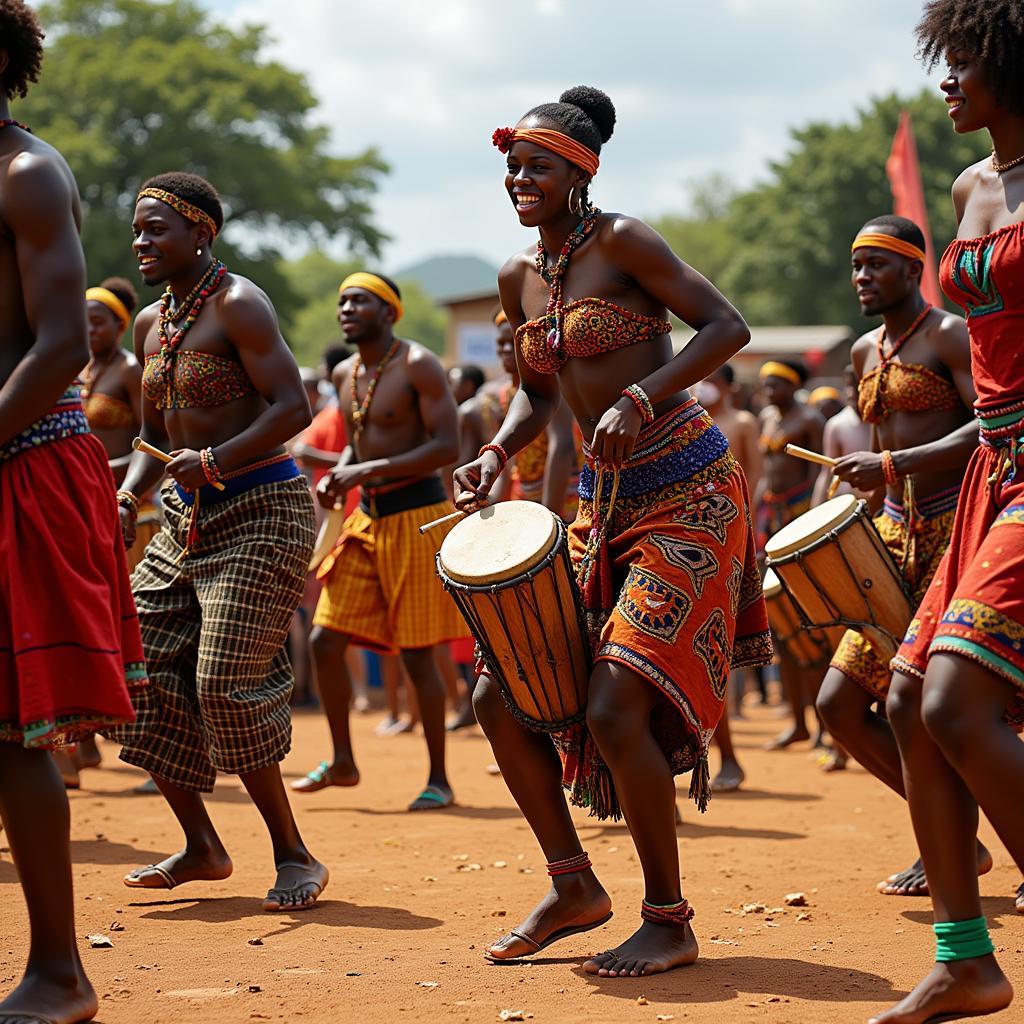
(362, 315)
(882, 279)
(538, 181)
(969, 94)
(165, 243)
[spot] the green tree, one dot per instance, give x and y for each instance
(780, 250)
(132, 88)
(314, 278)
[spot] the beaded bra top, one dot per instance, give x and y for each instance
(105, 412)
(198, 380)
(591, 327)
(903, 387)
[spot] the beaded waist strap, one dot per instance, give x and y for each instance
(932, 507)
(269, 471)
(1001, 425)
(65, 419)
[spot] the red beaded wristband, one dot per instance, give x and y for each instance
(892, 478)
(498, 450)
(210, 468)
(638, 397)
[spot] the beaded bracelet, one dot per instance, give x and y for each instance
(892, 478)
(569, 865)
(210, 468)
(498, 450)
(638, 397)
(676, 914)
(126, 499)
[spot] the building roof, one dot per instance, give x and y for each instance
(794, 340)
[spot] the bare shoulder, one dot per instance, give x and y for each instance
(239, 296)
(340, 373)
(419, 359)
(621, 233)
(515, 267)
(951, 339)
(861, 347)
(746, 420)
(35, 181)
(966, 182)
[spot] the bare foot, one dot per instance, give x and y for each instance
(729, 778)
(89, 755)
(465, 719)
(66, 766)
(184, 866)
(298, 886)
(651, 949)
(575, 903)
(962, 988)
(794, 734)
(833, 761)
(65, 1000)
(912, 882)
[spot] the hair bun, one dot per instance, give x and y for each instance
(595, 104)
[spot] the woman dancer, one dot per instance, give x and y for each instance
(662, 541)
(959, 675)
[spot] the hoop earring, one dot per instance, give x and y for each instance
(579, 204)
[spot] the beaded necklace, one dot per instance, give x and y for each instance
(554, 276)
(898, 343)
(6, 122)
(360, 410)
(190, 309)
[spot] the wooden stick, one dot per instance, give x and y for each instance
(833, 487)
(147, 449)
(444, 519)
(809, 456)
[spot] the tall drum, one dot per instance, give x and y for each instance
(806, 646)
(839, 572)
(507, 568)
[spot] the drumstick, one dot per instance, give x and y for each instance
(457, 514)
(833, 487)
(147, 449)
(809, 456)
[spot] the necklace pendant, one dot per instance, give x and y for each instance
(554, 339)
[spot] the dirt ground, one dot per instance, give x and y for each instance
(413, 898)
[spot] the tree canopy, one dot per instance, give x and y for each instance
(780, 251)
(132, 88)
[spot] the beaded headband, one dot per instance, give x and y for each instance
(112, 302)
(558, 142)
(774, 369)
(182, 206)
(878, 240)
(376, 286)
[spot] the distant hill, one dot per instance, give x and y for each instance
(446, 277)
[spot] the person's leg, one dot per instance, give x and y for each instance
(421, 665)
(730, 775)
(355, 662)
(791, 676)
(34, 809)
(298, 644)
(89, 755)
(619, 709)
(945, 818)
(532, 771)
(330, 674)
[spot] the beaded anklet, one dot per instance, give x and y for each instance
(569, 865)
(892, 478)
(638, 397)
(498, 450)
(128, 500)
(210, 468)
(674, 914)
(961, 940)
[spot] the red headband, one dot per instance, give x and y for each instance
(558, 142)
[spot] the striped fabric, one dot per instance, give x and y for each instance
(381, 587)
(214, 627)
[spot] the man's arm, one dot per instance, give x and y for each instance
(561, 459)
(38, 210)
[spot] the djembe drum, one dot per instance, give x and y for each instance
(806, 646)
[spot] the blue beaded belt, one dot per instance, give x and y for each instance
(931, 507)
(65, 419)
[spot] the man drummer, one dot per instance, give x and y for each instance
(914, 388)
(783, 493)
(380, 587)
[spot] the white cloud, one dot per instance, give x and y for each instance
(700, 88)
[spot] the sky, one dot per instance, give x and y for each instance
(701, 87)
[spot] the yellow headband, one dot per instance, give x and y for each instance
(773, 369)
(378, 286)
(500, 318)
(112, 302)
(878, 240)
(825, 391)
(182, 206)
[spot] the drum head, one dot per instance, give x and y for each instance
(771, 584)
(811, 526)
(499, 543)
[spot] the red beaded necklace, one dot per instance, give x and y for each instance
(190, 309)
(6, 122)
(555, 276)
(360, 410)
(898, 343)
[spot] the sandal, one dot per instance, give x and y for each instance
(319, 778)
(434, 798)
(555, 936)
(133, 880)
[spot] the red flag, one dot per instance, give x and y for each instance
(904, 173)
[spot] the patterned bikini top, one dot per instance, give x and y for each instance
(591, 327)
(104, 412)
(903, 387)
(193, 380)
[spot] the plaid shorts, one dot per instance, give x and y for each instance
(214, 627)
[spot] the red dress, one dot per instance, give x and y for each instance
(975, 605)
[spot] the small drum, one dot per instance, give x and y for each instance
(806, 646)
(507, 568)
(147, 526)
(839, 572)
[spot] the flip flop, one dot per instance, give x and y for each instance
(319, 778)
(437, 798)
(282, 908)
(555, 936)
(132, 880)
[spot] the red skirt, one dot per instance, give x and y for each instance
(69, 633)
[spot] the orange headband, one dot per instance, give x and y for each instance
(878, 240)
(182, 206)
(774, 369)
(820, 394)
(558, 142)
(112, 302)
(500, 318)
